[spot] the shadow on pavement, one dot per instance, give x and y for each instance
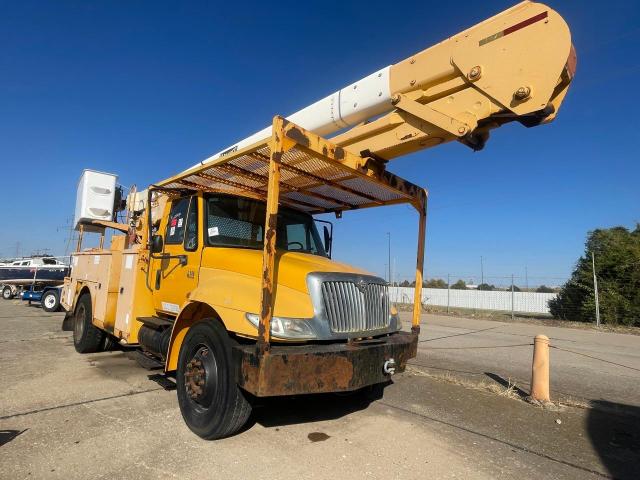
(7, 435)
(614, 431)
(282, 411)
(507, 384)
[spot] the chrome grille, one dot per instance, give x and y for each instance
(352, 307)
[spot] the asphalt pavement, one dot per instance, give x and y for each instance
(585, 364)
(70, 416)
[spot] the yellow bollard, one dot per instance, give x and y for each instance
(540, 369)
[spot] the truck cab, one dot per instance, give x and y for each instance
(212, 253)
(233, 292)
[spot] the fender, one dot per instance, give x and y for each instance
(192, 313)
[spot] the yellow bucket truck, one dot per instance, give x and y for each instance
(220, 274)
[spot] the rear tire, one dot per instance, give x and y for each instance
(211, 403)
(86, 337)
(50, 301)
(7, 293)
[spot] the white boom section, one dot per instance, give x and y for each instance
(347, 107)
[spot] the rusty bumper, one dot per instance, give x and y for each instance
(335, 367)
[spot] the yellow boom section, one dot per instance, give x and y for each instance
(515, 66)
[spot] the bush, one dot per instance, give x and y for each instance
(459, 285)
(544, 289)
(486, 286)
(435, 283)
(617, 259)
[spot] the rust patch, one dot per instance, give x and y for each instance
(298, 136)
(312, 373)
(295, 370)
(339, 153)
(261, 330)
(267, 297)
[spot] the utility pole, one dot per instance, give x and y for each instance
(389, 254)
(481, 270)
(69, 228)
(526, 279)
(395, 272)
(17, 249)
(595, 289)
(512, 298)
(448, 291)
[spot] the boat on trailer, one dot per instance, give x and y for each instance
(35, 271)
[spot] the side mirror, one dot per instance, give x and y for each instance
(157, 244)
(327, 240)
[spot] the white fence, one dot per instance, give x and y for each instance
(526, 302)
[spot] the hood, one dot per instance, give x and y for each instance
(291, 267)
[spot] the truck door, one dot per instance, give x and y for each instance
(175, 273)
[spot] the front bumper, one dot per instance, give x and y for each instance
(335, 367)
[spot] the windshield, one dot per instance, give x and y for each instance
(239, 222)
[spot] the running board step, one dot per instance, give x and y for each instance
(145, 361)
(162, 380)
(156, 323)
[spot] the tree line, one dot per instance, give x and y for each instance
(616, 252)
(462, 285)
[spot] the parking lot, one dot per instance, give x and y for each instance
(65, 415)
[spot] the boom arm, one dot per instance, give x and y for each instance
(515, 66)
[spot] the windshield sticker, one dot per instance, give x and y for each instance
(173, 222)
(172, 231)
(179, 223)
(213, 231)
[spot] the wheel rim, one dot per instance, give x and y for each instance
(201, 377)
(50, 301)
(78, 327)
(6, 293)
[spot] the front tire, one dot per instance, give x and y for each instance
(7, 293)
(50, 301)
(86, 337)
(211, 403)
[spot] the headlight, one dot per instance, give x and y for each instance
(282, 327)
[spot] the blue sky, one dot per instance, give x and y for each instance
(145, 89)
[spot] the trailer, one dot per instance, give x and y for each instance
(31, 273)
(48, 297)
